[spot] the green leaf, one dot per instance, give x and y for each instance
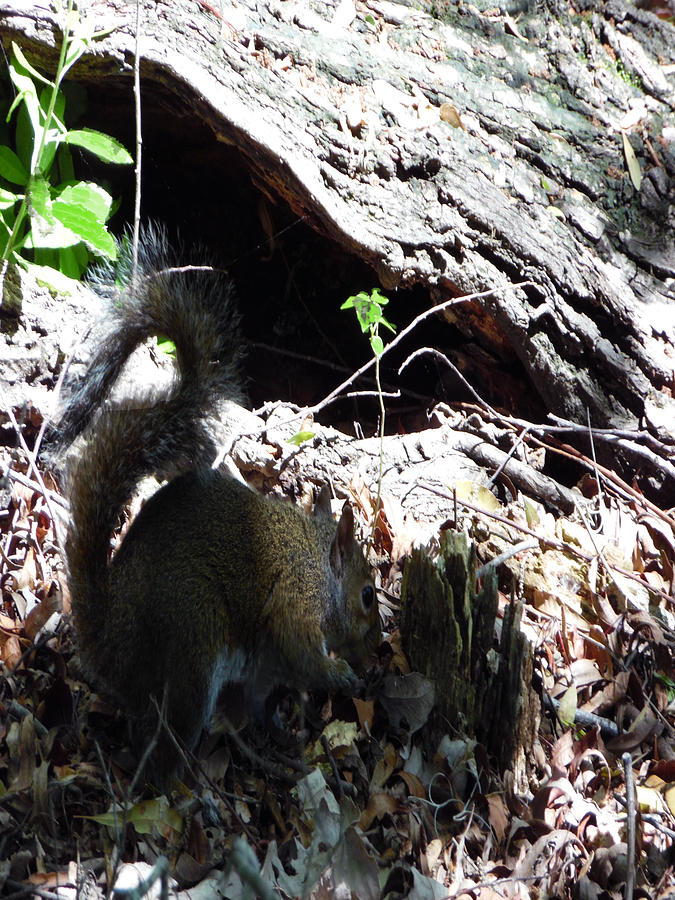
(53, 135)
(97, 35)
(378, 297)
(92, 196)
(73, 53)
(102, 145)
(8, 199)
(164, 345)
(47, 258)
(85, 224)
(25, 137)
(369, 309)
(301, 437)
(49, 148)
(73, 261)
(376, 344)
(568, 706)
(531, 514)
(69, 263)
(39, 198)
(363, 307)
(31, 105)
(11, 167)
(631, 161)
(49, 233)
(23, 62)
(386, 324)
(146, 817)
(26, 93)
(59, 110)
(64, 161)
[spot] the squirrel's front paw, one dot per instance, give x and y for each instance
(344, 678)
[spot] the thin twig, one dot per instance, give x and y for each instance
(620, 437)
(598, 479)
(431, 351)
(627, 761)
(355, 395)
(331, 759)
(29, 890)
(532, 544)
(611, 434)
(139, 145)
(617, 482)
(519, 440)
(399, 337)
(159, 872)
(243, 861)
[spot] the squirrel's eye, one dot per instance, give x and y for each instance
(367, 597)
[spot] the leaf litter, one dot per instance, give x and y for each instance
(361, 806)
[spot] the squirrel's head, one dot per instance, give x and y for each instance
(353, 630)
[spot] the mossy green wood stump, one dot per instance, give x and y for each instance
(483, 683)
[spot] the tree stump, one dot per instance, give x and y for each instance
(483, 683)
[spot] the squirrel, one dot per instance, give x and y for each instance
(213, 583)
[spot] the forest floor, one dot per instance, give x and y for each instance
(359, 799)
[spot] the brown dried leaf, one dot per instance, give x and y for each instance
(413, 783)
(384, 768)
(643, 728)
(10, 646)
(498, 815)
(27, 576)
(40, 614)
(609, 696)
(407, 699)
(379, 805)
(365, 710)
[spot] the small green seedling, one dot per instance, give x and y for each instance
(368, 308)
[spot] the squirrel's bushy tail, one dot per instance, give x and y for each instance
(149, 431)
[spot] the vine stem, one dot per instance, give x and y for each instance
(382, 414)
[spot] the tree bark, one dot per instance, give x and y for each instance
(342, 112)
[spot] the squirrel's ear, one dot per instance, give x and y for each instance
(345, 534)
(341, 547)
(322, 505)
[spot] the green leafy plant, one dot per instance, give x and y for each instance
(368, 309)
(47, 217)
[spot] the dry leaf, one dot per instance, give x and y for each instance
(631, 161)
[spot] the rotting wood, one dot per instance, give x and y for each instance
(344, 123)
(483, 684)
